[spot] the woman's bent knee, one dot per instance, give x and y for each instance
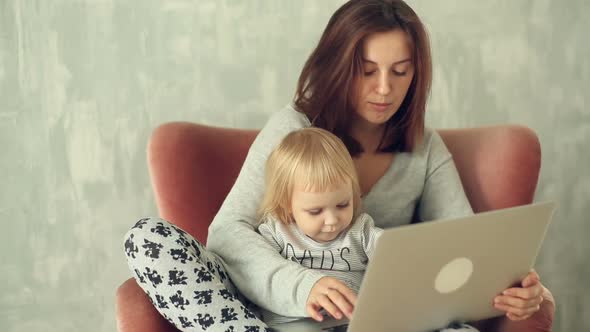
(155, 238)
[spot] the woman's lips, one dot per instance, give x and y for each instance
(380, 106)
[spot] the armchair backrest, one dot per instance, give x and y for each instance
(193, 167)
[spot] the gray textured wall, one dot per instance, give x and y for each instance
(83, 82)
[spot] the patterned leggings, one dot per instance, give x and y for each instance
(187, 284)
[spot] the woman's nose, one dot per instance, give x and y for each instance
(383, 85)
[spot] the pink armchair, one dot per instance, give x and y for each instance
(499, 167)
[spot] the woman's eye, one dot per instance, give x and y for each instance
(399, 73)
(343, 206)
(395, 72)
(315, 212)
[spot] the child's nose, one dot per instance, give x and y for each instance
(331, 218)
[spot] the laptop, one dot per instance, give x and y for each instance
(425, 276)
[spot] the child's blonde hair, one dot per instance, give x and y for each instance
(313, 157)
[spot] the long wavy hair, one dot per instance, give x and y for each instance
(325, 87)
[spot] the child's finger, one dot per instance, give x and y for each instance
(330, 307)
(348, 294)
(314, 311)
(341, 302)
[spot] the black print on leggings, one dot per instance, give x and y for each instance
(247, 313)
(230, 329)
(220, 272)
(226, 295)
(140, 277)
(180, 255)
(161, 229)
(162, 304)
(204, 321)
(152, 249)
(197, 248)
(185, 322)
(141, 223)
(176, 277)
(203, 275)
(130, 247)
(252, 329)
(203, 297)
(178, 300)
(210, 267)
(153, 277)
(178, 230)
(181, 240)
(228, 314)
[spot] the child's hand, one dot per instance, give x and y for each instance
(520, 303)
(332, 295)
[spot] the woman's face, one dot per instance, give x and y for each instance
(386, 76)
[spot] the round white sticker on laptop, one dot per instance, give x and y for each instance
(453, 275)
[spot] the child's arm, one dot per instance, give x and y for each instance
(369, 234)
(268, 232)
(328, 293)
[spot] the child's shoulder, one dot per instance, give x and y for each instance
(362, 222)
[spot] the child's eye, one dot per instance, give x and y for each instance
(314, 212)
(343, 205)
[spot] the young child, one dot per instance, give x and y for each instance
(310, 211)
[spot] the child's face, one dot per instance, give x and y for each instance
(323, 215)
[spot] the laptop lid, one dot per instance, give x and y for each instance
(424, 276)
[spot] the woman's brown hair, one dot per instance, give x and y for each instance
(327, 80)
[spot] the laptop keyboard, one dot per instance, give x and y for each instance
(337, 328)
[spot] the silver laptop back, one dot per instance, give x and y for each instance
(425, 276)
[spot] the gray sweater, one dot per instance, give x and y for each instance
(423, 185)
(344, 258)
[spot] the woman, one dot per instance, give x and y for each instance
(367, 82)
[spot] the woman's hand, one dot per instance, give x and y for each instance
(333, 296)
(520, 303)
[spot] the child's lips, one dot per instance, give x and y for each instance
(331, 229)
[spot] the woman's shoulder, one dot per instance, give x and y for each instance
(288, 117)
(435, 150)
(431, 137)
(431, 142)
(430, 150)
(277, 127)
